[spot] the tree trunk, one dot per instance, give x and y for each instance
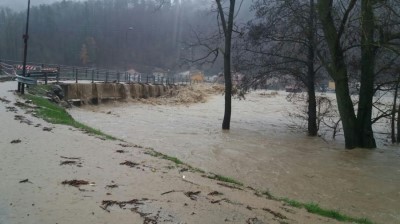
(338, 71)
(228, 28)
(228, 93)
(347, 113)
(393, 118)
(312, 104)
(398, 125)
(364, 125)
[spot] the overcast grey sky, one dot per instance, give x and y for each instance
(22, 4)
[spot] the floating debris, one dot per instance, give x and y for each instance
(4, 100)
(70, 162)
(75, 183)
(25, 181)
(129, 163)
(254, 220)
(215, 193)
(112, 186)
(192, 195)
(230, 186)
(47, 129)
(107, 203)
(22, 119)
(120, 151)
(16, 141)
(11, 109)
(168, 192)
(124, 145)
(71, 158)
(276, 214)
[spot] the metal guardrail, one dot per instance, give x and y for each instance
(26, 80)
(101, 75)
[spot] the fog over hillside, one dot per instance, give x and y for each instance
(22, 4)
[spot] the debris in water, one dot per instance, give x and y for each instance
(4, 100)
(124, 145)
(254, 221)
(11, 109)
(168, 192)
(215, 193)
(75, 183)
(70, 162)
(183, 170)
(107, 203)
(129, 163)
(120, 151)
(112, 186)
(47, 129)
(71, 158)
(192, 195)
(276, 214)
(230, 186)
(22, 119)
(16, 141)
(25, 181)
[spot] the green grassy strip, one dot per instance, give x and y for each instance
(316, 209)
(225, 179)
(175, 160)
(55, 114)
(166, 157)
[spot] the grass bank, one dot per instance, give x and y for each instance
(55, 114)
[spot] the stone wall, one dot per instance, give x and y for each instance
(96, 92)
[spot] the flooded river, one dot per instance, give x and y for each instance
(261, 151)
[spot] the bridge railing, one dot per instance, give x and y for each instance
(89, 74)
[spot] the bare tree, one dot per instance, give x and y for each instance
(283, 38)
(372, 34)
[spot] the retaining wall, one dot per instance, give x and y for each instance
(96, 92)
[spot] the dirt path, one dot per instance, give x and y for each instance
(124, 184)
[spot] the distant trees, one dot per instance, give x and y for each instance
(59, 30)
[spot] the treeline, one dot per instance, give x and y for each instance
(120, 34)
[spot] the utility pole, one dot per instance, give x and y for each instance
(21, 86)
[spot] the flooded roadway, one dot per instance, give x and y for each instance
(261, 151)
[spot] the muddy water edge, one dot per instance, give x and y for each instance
(262, 151)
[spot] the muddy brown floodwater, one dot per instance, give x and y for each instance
(262, 151)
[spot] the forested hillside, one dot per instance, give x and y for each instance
(105, 33)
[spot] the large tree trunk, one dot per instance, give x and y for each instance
(338, 71)
(312, 104)
(312, 110)
(364, 114)
(347, 113)
(228, 28)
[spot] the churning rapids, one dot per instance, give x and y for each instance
(261, 151)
